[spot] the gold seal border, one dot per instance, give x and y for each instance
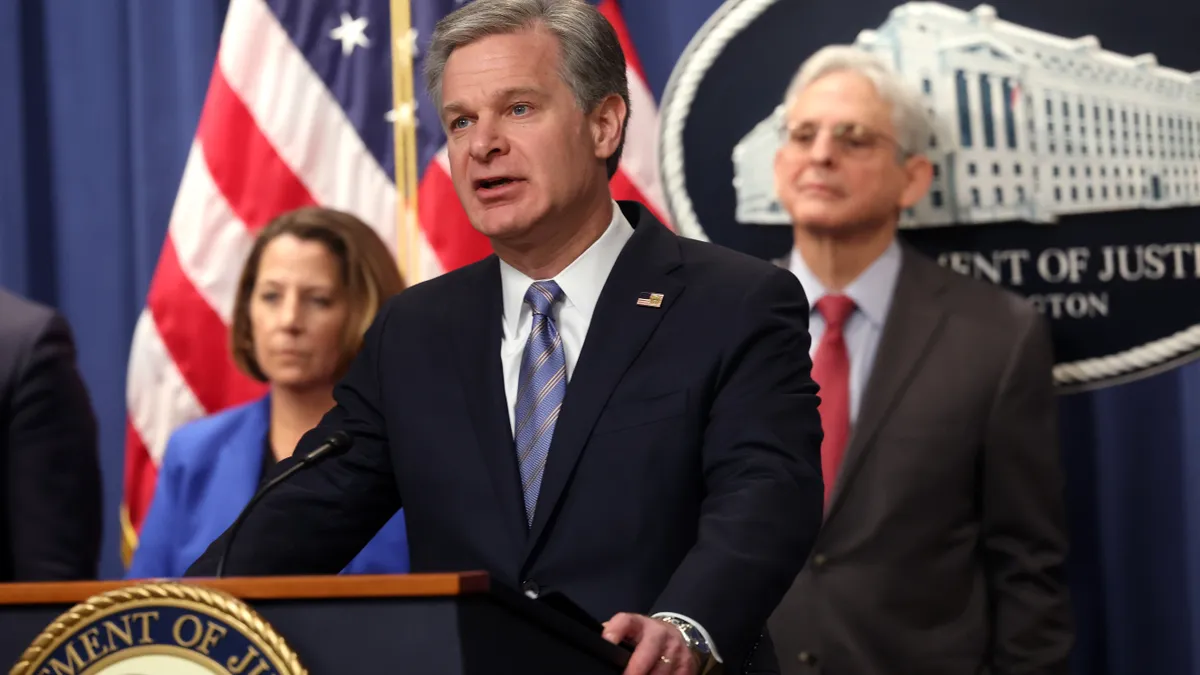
(196, 598)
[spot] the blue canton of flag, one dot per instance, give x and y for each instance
(347, 45)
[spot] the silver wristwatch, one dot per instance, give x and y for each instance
(695, 642)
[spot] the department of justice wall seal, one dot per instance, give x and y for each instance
(159, 628)
(1066, 156)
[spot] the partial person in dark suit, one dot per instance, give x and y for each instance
(944, 541)
(663, 473)
(309, 289)
(50, 487)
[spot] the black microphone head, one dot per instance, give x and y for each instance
(335, 444)
(339, 442)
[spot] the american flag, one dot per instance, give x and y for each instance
(301, 110)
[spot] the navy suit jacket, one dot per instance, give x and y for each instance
(210, 470)
(50, 503)
(684, 471)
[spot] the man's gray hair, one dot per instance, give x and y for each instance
(913, 125)
(591, 60)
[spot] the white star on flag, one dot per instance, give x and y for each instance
(413, 47)
(351, 33)
(405, 114)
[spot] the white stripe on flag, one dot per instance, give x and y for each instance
(156, 395)
(210, 242)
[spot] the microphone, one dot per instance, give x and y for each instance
(337, 443)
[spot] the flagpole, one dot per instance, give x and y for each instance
(408, 248)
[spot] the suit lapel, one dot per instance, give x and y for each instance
(912, 324)
(477, 333)
(617, 333)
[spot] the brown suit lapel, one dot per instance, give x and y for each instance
(909, 332)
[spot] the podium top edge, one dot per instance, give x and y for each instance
(264, 588)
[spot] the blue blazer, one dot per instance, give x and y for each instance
(210, 471)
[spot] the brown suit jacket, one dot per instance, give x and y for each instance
(943, 547)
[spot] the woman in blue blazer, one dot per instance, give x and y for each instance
(310, 288)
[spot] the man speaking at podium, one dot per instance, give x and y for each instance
(601, 409)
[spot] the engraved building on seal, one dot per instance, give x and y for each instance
(1029, 126)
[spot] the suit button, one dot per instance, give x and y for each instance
(819, 560)
(807, 659)
(531, 589)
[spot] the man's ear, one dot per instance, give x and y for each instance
(607, 122)
(919, 171)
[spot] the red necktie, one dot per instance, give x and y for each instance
(831, 370)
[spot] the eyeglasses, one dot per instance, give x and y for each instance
(851, 138)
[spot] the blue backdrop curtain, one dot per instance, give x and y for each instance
(98, 104)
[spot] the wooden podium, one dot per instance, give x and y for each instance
(423, 624)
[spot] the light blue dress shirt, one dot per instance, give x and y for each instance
(872, 294)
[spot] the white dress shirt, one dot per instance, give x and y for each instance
(872, 293)
(581, 283)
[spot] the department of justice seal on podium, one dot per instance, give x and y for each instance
(154, 628)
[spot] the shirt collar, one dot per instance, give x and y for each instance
(871, 291)
(581, 281)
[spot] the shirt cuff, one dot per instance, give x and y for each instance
(712, 647)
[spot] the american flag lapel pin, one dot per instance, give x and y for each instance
(650, 300)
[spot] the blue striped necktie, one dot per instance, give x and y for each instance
(542, 386)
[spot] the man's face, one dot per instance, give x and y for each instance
(521, 150)
(839, 169)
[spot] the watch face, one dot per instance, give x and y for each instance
(695, 639)
(691, 635)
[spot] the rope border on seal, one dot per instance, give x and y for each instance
(708, 44)
(259, 629)
(701, 53)
(1138, 358)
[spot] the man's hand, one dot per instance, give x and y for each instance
(661, 649)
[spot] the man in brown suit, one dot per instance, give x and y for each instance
(943, 544)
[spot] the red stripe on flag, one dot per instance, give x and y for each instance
(612, 11)
(196, 338)
(255, 181)
(444, 222)
(140, 476)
